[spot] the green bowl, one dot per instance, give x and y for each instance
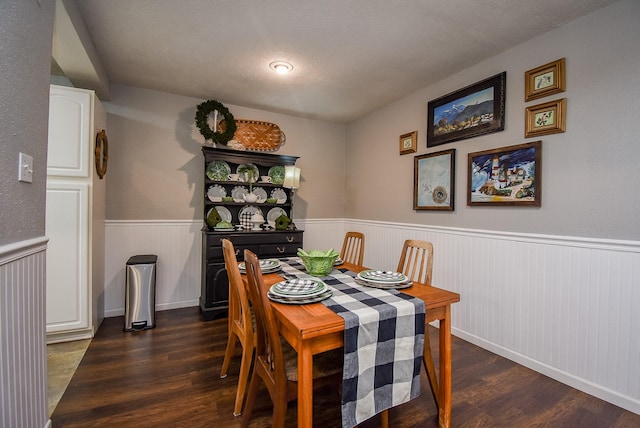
(271, 200)
(317, 263)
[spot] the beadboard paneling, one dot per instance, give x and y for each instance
(563, 306)
(177, 245)
(23, 355)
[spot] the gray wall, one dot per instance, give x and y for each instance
(589, 173)
(25, 61)
(156, 164)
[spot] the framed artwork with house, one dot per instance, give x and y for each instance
(506, 176)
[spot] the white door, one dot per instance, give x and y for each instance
(67, 255)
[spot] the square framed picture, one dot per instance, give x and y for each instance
(547, 118)
(469, 112)
(545, 80)
(506, 176)
(408, 143)
(433, 181)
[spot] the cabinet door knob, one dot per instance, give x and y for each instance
(291, 238)
(280, 250)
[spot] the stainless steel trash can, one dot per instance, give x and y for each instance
(140, 293)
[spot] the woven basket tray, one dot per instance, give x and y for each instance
(257, 135)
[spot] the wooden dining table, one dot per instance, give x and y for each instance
(314, 328)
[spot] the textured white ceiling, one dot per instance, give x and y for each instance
(350, 56)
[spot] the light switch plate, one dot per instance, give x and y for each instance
(25, 168)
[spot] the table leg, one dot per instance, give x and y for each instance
(444, 404)
(305, 388)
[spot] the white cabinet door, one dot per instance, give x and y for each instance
(68, 255)
(69, 132)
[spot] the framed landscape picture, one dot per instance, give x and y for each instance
(433, 181)
(506, 176)
(469, 112)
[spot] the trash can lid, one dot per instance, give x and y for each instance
(142, 259)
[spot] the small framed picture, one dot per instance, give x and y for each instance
(433, 181)
(545, 80)
(408, 143)
(547, 118)
(506, 176)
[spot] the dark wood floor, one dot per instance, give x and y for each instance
(170, 377)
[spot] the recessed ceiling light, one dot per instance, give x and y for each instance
(281, 67)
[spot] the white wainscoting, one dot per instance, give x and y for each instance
(178, 247)
(23, 354)
(566, 307)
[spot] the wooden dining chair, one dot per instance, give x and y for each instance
(275, 361)
(353, 248)
(240, 327)
(416, 261)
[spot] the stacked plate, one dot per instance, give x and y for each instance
(299, 291)
(266, 265)
(383, 279)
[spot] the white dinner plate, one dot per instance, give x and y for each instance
(261, 194)
(216, 193)
(273, 214)
(238, 192)
(225, 214)
(280, 195)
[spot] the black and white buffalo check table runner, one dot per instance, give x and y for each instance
(383, 343)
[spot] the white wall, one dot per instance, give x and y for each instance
(589, 182)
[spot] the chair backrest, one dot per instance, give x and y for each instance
(416, 260)
(268, 346)
(353, 248)
(239, 309)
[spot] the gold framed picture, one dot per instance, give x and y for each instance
(408, 142)
(547, 118)
(545, 80)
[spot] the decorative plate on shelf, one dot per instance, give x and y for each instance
(245, 214)
(260, 193)
(273, 214)
(280, 195)
(218, 170)
(243, 172)
(277, 174)
(216, 193)
(224, 213)
(238, 192)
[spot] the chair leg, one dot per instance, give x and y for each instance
(384, 419)
(251, 397)
(243, 378)
(427, 359)
(279, 413)
(231, 344)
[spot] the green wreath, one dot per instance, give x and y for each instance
(202, 114)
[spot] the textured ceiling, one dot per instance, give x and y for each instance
(350, 56)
